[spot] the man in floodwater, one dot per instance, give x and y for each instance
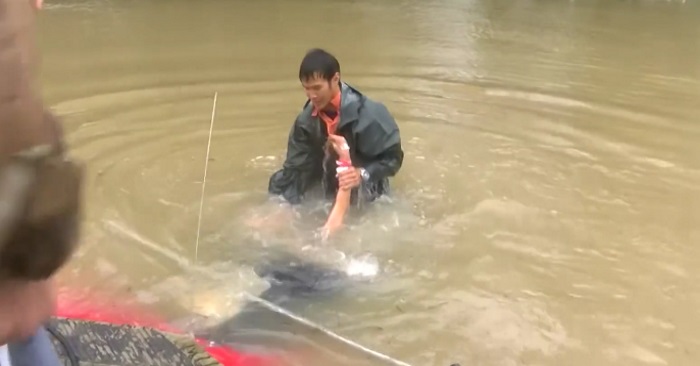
(39, 196)
(336, 108)
(337, 120)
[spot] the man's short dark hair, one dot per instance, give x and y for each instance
(318, 62)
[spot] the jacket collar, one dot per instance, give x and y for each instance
(350, 102)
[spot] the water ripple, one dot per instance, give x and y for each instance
(547, 207)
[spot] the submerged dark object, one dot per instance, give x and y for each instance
(291, 277)
(295, 285)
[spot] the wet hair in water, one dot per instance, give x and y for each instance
(328, 154)
(318, 62)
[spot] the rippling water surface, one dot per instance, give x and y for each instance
(546, 212)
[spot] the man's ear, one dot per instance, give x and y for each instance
(336, 78)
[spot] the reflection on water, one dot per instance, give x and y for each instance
(545, 213)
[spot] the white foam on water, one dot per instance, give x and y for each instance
(365, 266)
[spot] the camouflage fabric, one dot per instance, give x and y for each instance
(88, 343)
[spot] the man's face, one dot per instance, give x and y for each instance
(319, 90)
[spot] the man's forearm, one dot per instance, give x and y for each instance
(387, 165)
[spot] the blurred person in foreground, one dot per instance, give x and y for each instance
(40, 193)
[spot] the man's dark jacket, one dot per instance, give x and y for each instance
(371, 133)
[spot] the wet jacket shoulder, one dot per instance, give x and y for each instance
(39, 186)
(375, 139)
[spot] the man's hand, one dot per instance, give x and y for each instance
(349, 179)
(340, 145)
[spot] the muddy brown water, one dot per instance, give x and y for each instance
(546, 214)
